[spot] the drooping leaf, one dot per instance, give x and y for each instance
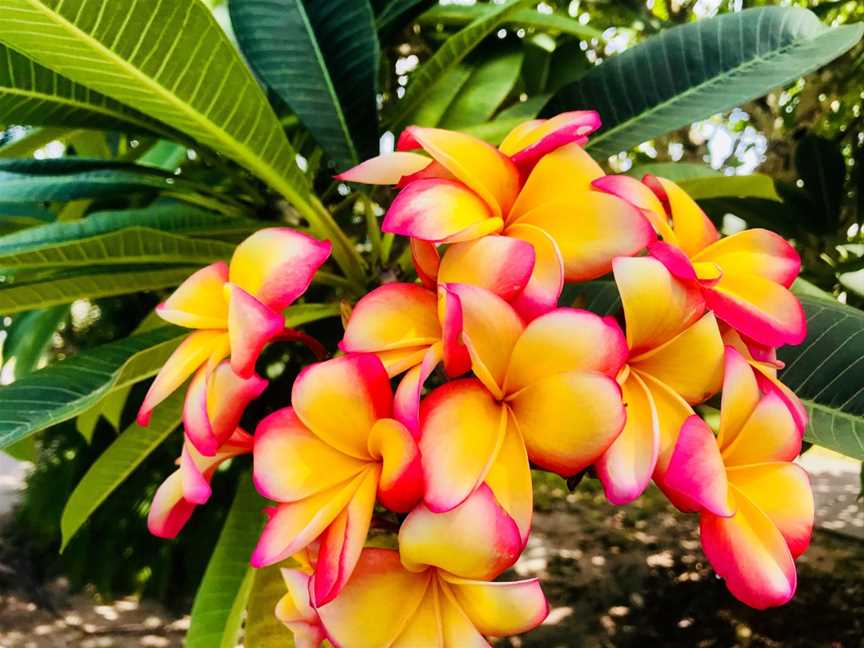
(62, 390)
(693, 71)
(170, 60)
(175, 218)
(304, 313)
(133, 245)
(827, 373)
(34, 95)
(491, 81)
(263, 629)
(321, 58)
(29, 337)
(458, 15)
(222, 596)
(65, 179)
(42, 293)
(454, 50)
(114, 465)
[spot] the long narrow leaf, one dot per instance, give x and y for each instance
(827, 372)
(114, 465)
(65, 389)
(34, 95)
(321, 58)
(693, 71)
(222, 596)
(51, 292)
(454, 49)
(138, 245)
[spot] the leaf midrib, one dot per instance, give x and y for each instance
(242, 150)
(714, 80)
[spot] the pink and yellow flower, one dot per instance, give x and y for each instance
(326, 460)
(535, 190)
(385, 604)
(744, 278)
(756, 507)
(189, 486)
(544, 392)
(235, 310)
(675, 361)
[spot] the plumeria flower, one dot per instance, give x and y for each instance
(535, 190)
(189, 486)
(544, 392)
(764, 362)
(745, 277)
(235, 309)
(326, 460)
(756, 506)
(675, 361)
(385, 604)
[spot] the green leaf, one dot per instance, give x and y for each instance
(114, 465)
(696, 70)
(65, 179)
(321, 58)
(674, 171)
(440, 96)
(755, 185)
(165, 155)
(459, 15)
(827, 373)
(304, 313)
(263, 629)
(175, 218)
(599, 297)
(495, 131)
(63, 390)
(34, 95)
(29, 337)
(222, 596)
(21, 297)
(170, 60)
(141, 245)
(31, 141)
(491, 81)
(391, 14)
(454, 49)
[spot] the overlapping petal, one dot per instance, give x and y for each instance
(295, 610)
(529, 142)
(251, 325)
(543, 289)
(500, 264)
(199, 302)
(755, 252)
(400, 484)
(388, 169)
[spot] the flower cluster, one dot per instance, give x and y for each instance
(523, 383)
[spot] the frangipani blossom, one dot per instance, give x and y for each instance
(675, 361)
(756, 507)
(384, 604)
(745, 277)
(545, 391)
(326, 460)
(235, 309)
(189, 486)
(536, 189)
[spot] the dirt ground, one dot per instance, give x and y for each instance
(632, 576)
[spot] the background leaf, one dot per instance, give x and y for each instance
(693, 71)
(64, 290)
(827, 373)
(321, 58)
(263, 629)
(454, 49)
(61, 391)
(114, 465)
(29, 337)
(221, 599)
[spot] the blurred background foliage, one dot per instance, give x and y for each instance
(792, 161)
